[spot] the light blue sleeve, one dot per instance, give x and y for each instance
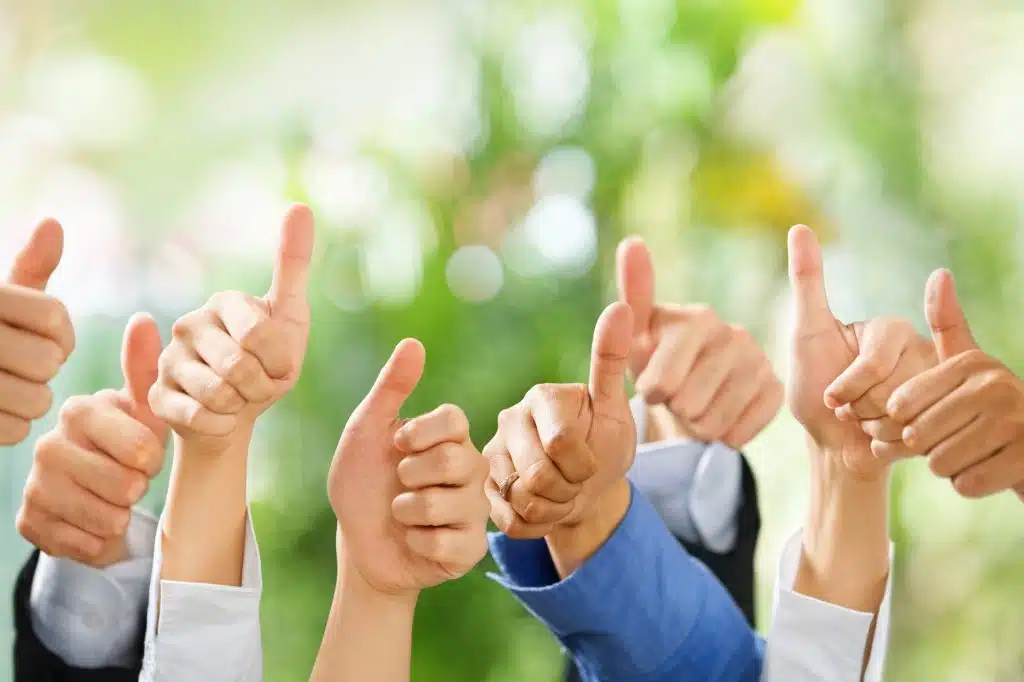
(640, 609)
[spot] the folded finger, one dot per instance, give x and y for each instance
(446, 423)
(29, 356)
(22, 398)
(248, 322)
(184, 413)
(445, 464)
(199, 381)
(79, 507)
(968, 446)
(58, 538)
(670, 363)
(116, 434)
(101, 475)
(39, 313)
(924, 390)
(235, 365)
(883, 429)
(1001, 471)
(755, 416)
(456, 507)
(944, 418)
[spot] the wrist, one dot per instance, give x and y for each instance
(352, 587)
(845, 555)
(572, 544)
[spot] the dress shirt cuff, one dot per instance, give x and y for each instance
(639, 609)
(198, 631)
(90, 617)
(819, 641)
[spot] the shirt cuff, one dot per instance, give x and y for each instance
(812, 640)
(203, 631)
(639, 609)
(696, 487)
(89, 617)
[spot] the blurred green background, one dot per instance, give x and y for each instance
(472, 165)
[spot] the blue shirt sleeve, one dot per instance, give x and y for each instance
(640, 609)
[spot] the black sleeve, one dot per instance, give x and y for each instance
(734, 569)
(33, 662)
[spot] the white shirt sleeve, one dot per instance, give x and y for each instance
(89, 617)
(814, 641)
(205, 632)
(696, 487)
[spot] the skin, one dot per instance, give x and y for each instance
(572, 445)
(966, 414)
(845, 554)
(97, 462)
(36, 335)
(699, 376)
(412, 514)
(227, 364)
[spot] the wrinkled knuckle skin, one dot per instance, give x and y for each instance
(221, 397)
(539, 478)
(534, 511)
(241, 369)
(182, 327)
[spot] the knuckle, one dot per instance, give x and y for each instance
(258, 334)
(48, 359)
(969, 485)
(76, 408)
(534, 511)
(539, 478)
(222, 397)
(508, 417)
(454, 418)
(49, 449)
(939, 466)
(241, 368)
(24, 525)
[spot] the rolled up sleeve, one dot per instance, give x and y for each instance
(816, 641)
(640, 609)
(197, 631)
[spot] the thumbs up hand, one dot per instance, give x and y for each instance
(97, 462)
(710, 378)
(822, 348)
(967, 413)
(237, 355)
(408, 495)
(36, 335)
(564, 446)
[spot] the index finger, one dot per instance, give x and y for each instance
(36, 311)
(115, 433)
(556, 411)
(927, 388)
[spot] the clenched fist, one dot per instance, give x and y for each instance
(97, 462)
(967, 413)
(408, 495)
(564, 445)
(711, 377)
(234, 357)
(36, 335)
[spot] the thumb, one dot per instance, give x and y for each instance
(613, 337)
(812, 312)
(37, 260)
(287, 295)
(634, 273)
(395, 383)
(140, 354)
(946, 319)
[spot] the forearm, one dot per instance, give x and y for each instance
(204, 521)
(845, 558)
(368, 634)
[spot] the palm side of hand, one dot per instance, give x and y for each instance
(362, 485)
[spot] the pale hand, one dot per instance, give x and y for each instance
(568, 443)
(36, 335)
(821, 349)
(408, 495)
(711, 377)
(236, 356)
(97, 461)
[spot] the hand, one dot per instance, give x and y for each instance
(408, 496)
(567, 443)
(97, 462)
(967, 413)
(713, 378)
(36, 336)
(237, 355)
(889, 353)
(822, 348)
